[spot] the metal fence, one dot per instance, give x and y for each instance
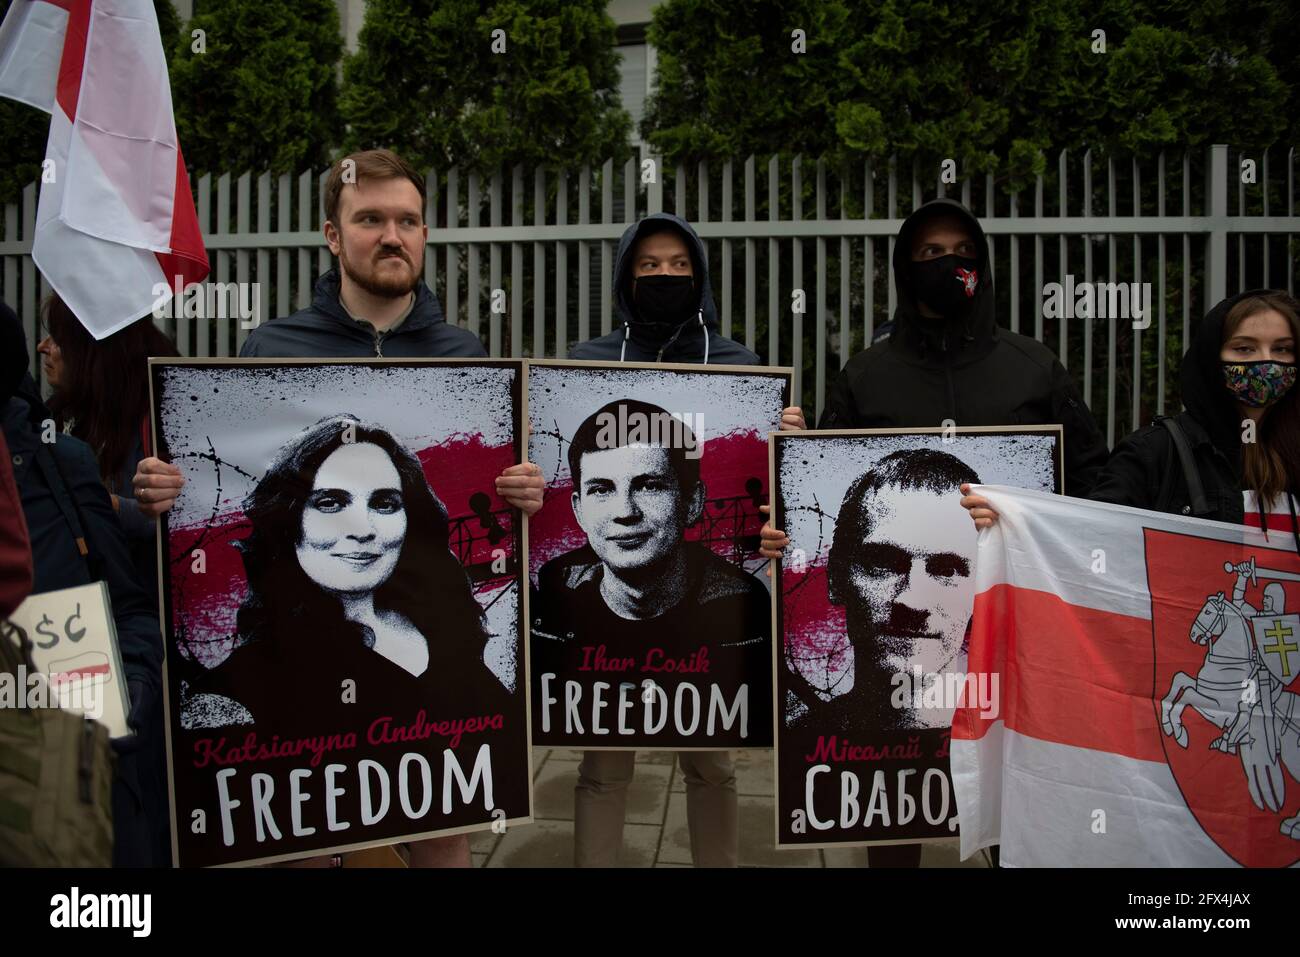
(782, 233)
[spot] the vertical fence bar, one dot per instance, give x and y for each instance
(1241, 237)
(796, 278)
(1216, 243)
(305, 224)
(1264, 236)
(283, 224)
(1112, 353)
(893, 214)
(496, 293)
(1087, 277)
(473, 273)
(1038, 260)
(517, 265)
(539, 266)
(751, 256)
(186, 334)
(629, 192)
(1187, 249)
(430, 248)
(1063, 263)
(263, 263)
(243, 226)
(203, 325)
(1136, 288)
(819, 353)
(773, 265)
(1014, 240)
(1160, 255)
(452, 299)
(679, 189)
(584, 255)
(322, 251)
(990, 212)
(868, 261)
(606, 248)
(727, 216)
(846, 263)
(561, 265)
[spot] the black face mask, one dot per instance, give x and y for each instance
(664, 301)
(947, 284)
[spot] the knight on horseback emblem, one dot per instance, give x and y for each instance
(1251, 656)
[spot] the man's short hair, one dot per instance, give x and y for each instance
(368, 164)
(585, 440)
(926, 469)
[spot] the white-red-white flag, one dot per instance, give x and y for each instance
(115, 217)
(1150, 707)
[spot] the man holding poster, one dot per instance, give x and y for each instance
(664, 304)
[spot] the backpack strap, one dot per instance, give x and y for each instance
(1190, 474)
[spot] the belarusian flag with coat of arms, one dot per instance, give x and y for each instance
(1150, 711)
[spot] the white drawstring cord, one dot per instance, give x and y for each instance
(704, 326)
(627, 331)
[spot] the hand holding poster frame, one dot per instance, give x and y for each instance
(651, 613)
(871, 620)
(343, 603)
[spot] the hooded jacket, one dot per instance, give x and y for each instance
(1145, 471)
(969, 371)
(324, 330)
(697, 338)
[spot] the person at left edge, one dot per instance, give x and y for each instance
(664, 301)
(375, 304)
(76, 539)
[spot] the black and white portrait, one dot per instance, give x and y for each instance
(876, 593)
(654, 623)
(343, 596)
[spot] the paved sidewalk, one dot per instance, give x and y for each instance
(655, 834)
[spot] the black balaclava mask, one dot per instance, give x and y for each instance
(947, 284)
(663, 302)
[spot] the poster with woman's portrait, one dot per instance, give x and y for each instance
(342, 591)
(876, 590)
(650, 620)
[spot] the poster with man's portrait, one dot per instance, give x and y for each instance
(343, 599)
(650, 619)
(876, 590)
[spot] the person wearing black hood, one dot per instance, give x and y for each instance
(663, 297)
(1240, 431)
(947, 361)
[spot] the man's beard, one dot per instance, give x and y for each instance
(389, 287)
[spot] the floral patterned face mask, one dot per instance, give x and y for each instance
(1259, 383)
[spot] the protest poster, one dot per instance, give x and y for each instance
(873, 621)
(650, 625)
(343, 604)
(73, 644)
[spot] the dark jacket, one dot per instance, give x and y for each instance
(971, 372)
(71, 475)
(697, 338)
(1145, 472)
(324, 330)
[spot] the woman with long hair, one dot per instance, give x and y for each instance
(101, 396)
(351, 576)
(1241, 425)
